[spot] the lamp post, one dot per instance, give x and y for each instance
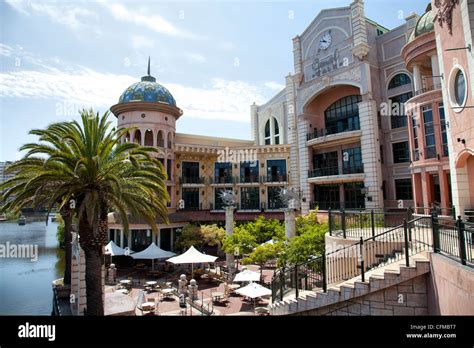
(229, 199)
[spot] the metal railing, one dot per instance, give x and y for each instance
(449, 211)
(191, 180)
(453, 238)
(274, 178)
(329, 171)
(318, 133)
(430, 152)
(221, 180)
(428, 89)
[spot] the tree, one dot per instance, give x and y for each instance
(190, 235)
(242, 241)
(262, 254)
(93, 173)
(266, 229)
(212, 235)
(309, 243)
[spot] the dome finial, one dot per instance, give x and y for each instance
(148, 77)
(149, 66)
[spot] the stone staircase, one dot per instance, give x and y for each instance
(375, 280)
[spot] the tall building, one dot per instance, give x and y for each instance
(338, 131)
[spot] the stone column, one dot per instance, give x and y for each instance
(435, 70)
(229, 231)
(370, 146)
(290, 223)
(121, 238)
(444, 189)
(417, 83)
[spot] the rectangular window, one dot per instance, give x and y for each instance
(353, 197)
(398, 118)
(249, 172)
(401, 152)
(274, 201)
(382, 158)
(141, 239)
(444, 134)
(249, 198)
(430, 140)
(326, 196)
(352, 161)
(168, 189)
(191, 198)
(325, 164)
(403, 189)
(190, 172)
(276, 170)
(218, 204)
(222, 172)
(416, 151)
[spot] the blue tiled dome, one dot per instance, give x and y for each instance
(147, 90)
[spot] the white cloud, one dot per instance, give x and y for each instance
(77, 86)
(153, 22)
(139, 41)
(274, 85)
(197, 57)
(78, 19)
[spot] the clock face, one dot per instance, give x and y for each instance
(325, 41)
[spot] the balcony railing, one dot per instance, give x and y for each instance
(430, 152)
(220, 180)
(323, 205)
(428, 89)
(318, 133)
(329, 171)
(191, 180)
(248, 179)
(273, 178)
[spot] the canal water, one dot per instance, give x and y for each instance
(25, 285)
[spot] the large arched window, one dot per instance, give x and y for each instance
(138, 137)
(148, 138)
(127, 137)
(170, 140)
(343, 115)
(160, 141)
(271, 132)
(399, 80)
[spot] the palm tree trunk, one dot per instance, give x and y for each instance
(93, 243)
(66, 215)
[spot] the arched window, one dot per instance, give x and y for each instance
(399, 80)
(343, 115)
(272, 132)
(159, 139)
(148, 138)
(170, 140)
(127, 137)
(138, 137)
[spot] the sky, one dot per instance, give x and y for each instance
(215, 57)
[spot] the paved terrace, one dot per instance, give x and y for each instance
(236, 304)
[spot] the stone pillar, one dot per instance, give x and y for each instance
(370, 146)
(426, 187)
(130, 239)
(193, 290)
(359, 29)
(254, 126)
(297, 55)
(417, 82)
(444, 188)
(121, 238)
(290, 223)
(435, 70)
(182, 284)
(229, 231)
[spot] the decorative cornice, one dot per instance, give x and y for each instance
(119, 108)
(445, 13)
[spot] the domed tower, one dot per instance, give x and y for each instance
(150, 108)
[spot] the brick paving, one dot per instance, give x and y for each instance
(236, 304)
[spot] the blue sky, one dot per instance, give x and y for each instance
(216, 57)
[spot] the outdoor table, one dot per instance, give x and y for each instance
(148, 306)
(167, 292)
(217, 295)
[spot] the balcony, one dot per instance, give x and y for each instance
(283, 178)
(427, 89)
(330, 171)
(220, 180)
(248, 179)
(191, 180)
(340, 128)
(160, 143)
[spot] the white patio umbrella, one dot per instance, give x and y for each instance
(151, 253)
(114, 250)
(247, 276)
(192, 256)
(254, 290)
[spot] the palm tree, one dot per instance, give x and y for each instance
(99, 174)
